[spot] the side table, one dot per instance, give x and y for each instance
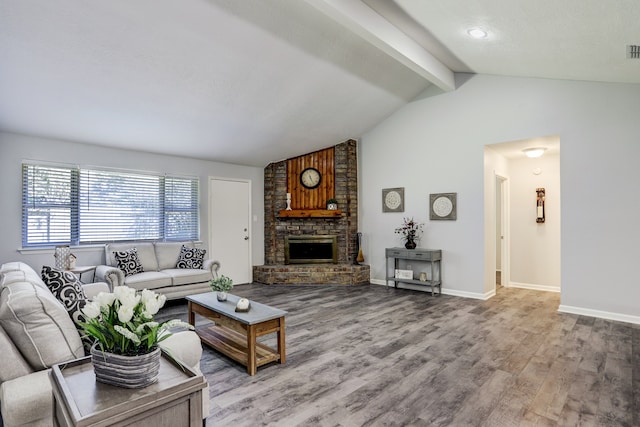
(79, 400)
(81, 269)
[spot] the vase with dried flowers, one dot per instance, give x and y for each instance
(409, 231)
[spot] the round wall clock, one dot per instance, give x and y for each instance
(310, 178)
(442, 206)
(393, 200)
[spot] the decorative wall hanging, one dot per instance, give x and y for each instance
(393, 199)
(443, 206)
(540, 194)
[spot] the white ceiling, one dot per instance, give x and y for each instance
(256, 81)
(515, 149)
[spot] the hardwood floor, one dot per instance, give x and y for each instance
(370, 356)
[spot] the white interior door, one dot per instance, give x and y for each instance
(499, 235)
(502, 228)
(229, 225)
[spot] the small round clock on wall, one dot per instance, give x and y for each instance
(393, 199)
(310, 178)
(443, 206)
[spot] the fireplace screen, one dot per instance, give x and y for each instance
(310, 249)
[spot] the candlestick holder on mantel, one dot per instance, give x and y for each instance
(288, 201)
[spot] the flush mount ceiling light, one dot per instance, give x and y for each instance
(477, 33)
(534, 152)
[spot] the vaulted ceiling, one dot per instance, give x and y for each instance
(255, 81)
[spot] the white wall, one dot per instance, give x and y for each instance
(435, 144)
(535, 247)
(15, 148)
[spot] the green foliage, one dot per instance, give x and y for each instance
(122, 322)
(221, 283)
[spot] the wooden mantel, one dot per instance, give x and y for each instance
(310, 213)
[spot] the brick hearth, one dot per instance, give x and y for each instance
(345, 227)
(312, 274)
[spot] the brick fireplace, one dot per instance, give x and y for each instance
(317, 222)
(310, 249)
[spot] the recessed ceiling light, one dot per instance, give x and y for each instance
(477, 33)
(534, 152)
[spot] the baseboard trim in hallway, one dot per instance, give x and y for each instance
(601, 314)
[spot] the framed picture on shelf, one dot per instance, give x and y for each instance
(404, 274)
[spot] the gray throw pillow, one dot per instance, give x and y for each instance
(38, 325)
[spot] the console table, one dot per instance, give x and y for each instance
(433, 257)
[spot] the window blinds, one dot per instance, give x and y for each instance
(81, 206)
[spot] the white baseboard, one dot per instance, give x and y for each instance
(465, 294)
(562, 308)
(534, 287)
(601, 314)
(445, 291)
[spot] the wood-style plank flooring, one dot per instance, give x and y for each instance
(371, 356)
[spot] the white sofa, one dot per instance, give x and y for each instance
(159, 262)
(36, 332)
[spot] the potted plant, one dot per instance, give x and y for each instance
(221, 284)
(409, 230)
(125, 351)
(332, 204)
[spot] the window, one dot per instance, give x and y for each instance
(65, 205)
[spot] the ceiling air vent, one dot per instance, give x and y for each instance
(633, 51)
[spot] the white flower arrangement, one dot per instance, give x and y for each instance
(122, 322)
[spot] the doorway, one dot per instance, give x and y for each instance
(526, 251)
(229, 227)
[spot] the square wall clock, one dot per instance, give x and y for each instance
(443, 206)
(393, 199)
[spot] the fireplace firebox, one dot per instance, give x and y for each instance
(310, 249)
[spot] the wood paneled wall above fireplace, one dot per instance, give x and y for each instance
(314, 198)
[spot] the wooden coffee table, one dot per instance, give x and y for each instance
(234, 334)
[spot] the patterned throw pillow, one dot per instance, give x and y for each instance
(67, 289)
(191, 257)
(128, 261)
